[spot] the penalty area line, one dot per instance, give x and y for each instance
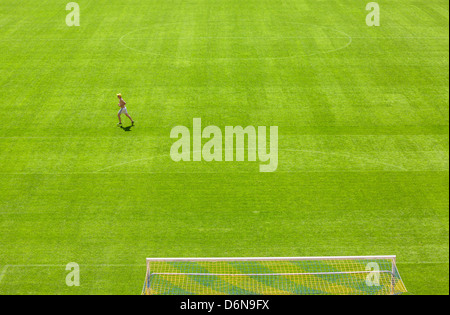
(81, 265)
(144, 265)
(3, 272)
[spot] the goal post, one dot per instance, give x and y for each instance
(343, 275)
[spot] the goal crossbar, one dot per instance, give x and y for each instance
(312, 258)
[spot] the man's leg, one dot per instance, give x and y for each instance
(120, 119)
(132, 121)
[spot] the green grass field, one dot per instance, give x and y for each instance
(363, 117)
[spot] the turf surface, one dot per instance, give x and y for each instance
(363, 137)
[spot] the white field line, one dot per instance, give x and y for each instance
(348, 156)
(224, 37)
(133, 161)
(250, 172)
(424, 263)
(144, 265)
(3, 272)
(81, 265)
(345, 35)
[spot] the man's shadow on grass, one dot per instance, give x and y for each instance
(126, 129)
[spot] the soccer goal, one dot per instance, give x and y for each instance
(362, 275)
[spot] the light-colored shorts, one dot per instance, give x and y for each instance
(123, 111)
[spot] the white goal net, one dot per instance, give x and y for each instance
(361, 275)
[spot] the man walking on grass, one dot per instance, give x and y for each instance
(123, 110)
